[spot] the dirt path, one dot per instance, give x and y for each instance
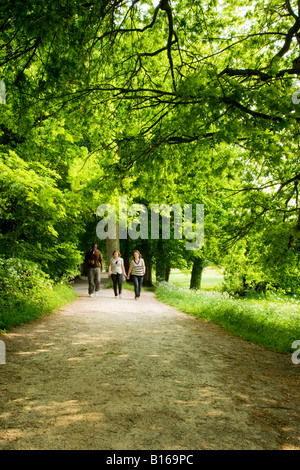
(116, 374)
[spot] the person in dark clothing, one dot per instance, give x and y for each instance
(93, 259)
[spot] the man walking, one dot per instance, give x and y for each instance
(93, 259)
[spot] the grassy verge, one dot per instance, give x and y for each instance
(273, 323)
(211, 279)
(24, 309)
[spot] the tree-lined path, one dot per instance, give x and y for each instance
(107, 373)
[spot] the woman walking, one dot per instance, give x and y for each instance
(138, 269)
(116, 270)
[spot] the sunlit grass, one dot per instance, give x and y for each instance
(272, 321)
(19, 310)
(211, 278)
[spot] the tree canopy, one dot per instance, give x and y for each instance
(166, 102)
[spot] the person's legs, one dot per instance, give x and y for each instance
(120, 282)
(136, 285)
(139, 285)
(97, 279)
(141, 278)
(114, 280)
(91, 281)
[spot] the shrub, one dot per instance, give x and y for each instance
(26, 293)
(19, 278)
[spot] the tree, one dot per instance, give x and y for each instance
(203, 85)
(196, 275)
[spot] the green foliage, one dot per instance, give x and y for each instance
(211, 279)
(22, 278)
(34, 217)
(27, 293)
(179, 103)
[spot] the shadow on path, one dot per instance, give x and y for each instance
(106, 373)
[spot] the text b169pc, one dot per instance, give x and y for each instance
(170, 459)
(151, 459)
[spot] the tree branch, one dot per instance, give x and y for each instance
(28, 61)
(290, 10)
(291, 180)
(291, 32)
(251, 112)
(253, 72)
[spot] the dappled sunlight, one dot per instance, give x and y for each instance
(215, 413)
(30, 353)
(75, 359)
(142, 378)
(57, 419)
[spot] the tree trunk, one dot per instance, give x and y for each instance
(168, 271)
(196, 276)
(126, 253)
(148, 262)
(160, 262)
(148, 275)
(112, 244)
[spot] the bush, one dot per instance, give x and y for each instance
(26, 293)
(19, 278)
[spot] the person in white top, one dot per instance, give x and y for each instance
(116, 270)
(138, 269)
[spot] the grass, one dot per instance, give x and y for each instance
(20, 310)
(211, 279)
(271, 321)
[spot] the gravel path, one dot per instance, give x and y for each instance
(117, 374)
